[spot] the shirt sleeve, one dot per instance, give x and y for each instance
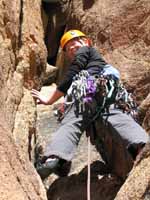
(79, 63)
(110, 70)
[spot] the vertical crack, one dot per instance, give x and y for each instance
(20, 28)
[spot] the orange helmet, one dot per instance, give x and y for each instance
(69, 35)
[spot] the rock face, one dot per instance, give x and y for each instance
(22, 64)
(137, 184)
(18, 177)
(119, 29)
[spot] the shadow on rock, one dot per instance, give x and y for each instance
(104, 186)
(87, 4)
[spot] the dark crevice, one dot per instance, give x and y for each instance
(20, 27)
(32, 135)
(54, 30)
(75, 184)
(52, 60)
(53, 7)
(87, 4)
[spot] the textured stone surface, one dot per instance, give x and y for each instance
(22, 64)
(19, 180)
(120, 30)
(50, 75)
(137, 184)
(145, 108)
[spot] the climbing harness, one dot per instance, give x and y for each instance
(102, 91)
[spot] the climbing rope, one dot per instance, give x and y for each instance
(89, 170)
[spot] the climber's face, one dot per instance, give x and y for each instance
(73, 45)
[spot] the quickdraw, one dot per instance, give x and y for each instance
(126, 102)
(83, 90)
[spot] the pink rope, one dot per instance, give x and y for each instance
(89, 170)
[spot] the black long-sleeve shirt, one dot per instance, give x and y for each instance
(86, 58)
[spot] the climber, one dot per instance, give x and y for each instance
(83, 56)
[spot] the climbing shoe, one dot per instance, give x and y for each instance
(46, 168)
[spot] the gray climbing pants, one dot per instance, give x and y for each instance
(116, 127)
